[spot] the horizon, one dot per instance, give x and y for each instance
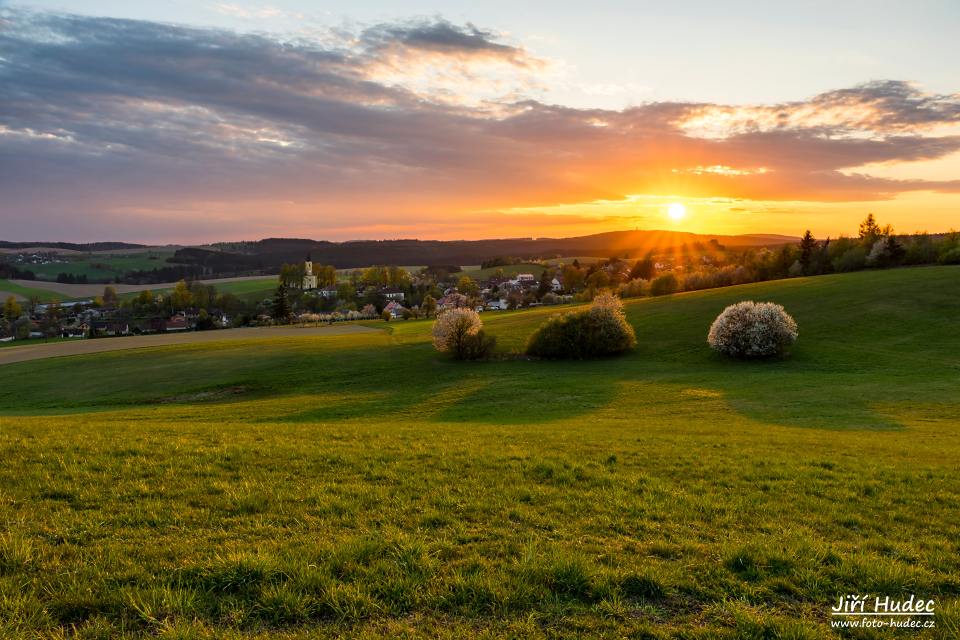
(182, 123)
(414, 239)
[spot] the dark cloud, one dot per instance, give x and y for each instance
(440, 36)
(102, 115)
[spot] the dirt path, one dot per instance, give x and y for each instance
(10, 355)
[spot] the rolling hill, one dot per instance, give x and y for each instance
(362, 485)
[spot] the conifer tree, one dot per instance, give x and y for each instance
(281, 306)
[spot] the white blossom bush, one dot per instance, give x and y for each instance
(752, 330)
(459, 332)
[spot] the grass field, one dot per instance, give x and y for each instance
(509, 270)
(256, 289)
(99, 266)
(12, 288)
(362, 486)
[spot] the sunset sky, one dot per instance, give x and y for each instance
(192, 121)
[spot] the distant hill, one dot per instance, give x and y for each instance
(266, 256)
(71, 246)
(270, 253)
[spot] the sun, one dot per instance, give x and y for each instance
(676, 211)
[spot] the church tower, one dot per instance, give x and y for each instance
(309, 280)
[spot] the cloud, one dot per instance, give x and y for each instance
(102, 120)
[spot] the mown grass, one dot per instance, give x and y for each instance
(361, 485)
(30, 292)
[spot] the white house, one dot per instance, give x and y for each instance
(392, 293)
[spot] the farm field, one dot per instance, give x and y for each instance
(241, 285)
(509, 270)
(25, 289)
(361, 485)
(102, 265)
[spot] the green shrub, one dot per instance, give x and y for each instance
(851, 260)
(950, 257)
(665, 284)
(600, 331)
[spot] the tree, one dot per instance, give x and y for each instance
(109, 297)
(181, 297)
(869, 230)
(459, 332)
(573, 277)
(428, 306)
(326, 275)
(645, 269)
(281, 306)
(598, 280)
(144, 298)
(376, 276)
(467, 286)
(895, 250)
(546, 283)
(807, 246)
(397, 277)
(291, 275)
(12, 309)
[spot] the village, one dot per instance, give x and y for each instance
(307, 295)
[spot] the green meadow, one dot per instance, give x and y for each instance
(509, 270)
(254, 290)
(101, 265)
(29, 292)
(363, 486)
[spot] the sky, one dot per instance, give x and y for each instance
(193, 121)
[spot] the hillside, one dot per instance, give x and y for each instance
(272, 252)
(360, 484)
(139, 264)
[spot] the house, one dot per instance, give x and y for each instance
(328, 292)
(394, 308)
(392, 293)
(74, 331)
(497, 305)
(176, 323)
(109, 328)
(556, 285)
(452, 301)
(526, 278)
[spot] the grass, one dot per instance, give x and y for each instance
(362, 486)
(248, 289)
(509, 270)
(30, 292)
(21, 343)
(99, 266)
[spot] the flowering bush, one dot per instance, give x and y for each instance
(600, 331)
(752, 330)
(459, 332)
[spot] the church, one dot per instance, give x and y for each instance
(309, 279)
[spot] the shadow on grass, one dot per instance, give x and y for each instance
(411, 383)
